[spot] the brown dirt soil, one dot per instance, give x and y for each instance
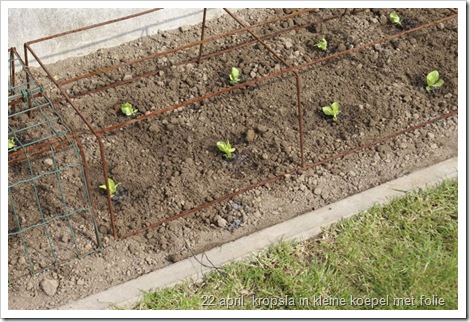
(169, 163)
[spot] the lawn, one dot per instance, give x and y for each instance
(400, 256)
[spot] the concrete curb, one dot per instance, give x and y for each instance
(299, 228)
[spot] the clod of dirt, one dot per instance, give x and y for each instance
(49, 286)
(250, 135)
(220, 222)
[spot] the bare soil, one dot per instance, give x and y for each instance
(169, 163)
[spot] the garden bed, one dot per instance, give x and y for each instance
(169, 163)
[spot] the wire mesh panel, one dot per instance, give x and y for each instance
(50, 212)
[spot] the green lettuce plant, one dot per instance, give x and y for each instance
(234, 76)
(11, 143)
(433, 81)
(322, 44)
(332, 110)
(112, 187)
(226, 148)
(128, 110)
(395, 19)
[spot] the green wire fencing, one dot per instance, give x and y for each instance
(50, 211)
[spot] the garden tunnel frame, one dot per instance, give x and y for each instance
(288, 69)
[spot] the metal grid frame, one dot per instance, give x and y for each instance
(46, 225)
(98, 132)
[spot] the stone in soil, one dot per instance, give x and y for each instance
(49, 286)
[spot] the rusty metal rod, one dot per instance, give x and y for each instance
(203, 28)
(170, 51)
(92, 26)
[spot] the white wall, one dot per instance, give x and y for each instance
(32, 23)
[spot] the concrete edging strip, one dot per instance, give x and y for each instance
(298, 228)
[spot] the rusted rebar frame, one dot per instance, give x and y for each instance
(290, 69)
(304, 167)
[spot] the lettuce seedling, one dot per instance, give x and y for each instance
(234, 76)
(226, 148)
(112, 187)
(128, 110)
(323, 44)
(11, 143)
(332, 110)
(433, 81)
(395, 19)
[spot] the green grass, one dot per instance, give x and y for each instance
(404, 250)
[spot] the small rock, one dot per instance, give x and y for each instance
(383, 19)
(250, 135)
(163, 240)
(407, 98)
(81, 282)
(221, 222)
(132, 248)
(21, 260)
(185, 28)
(288, 45)
(430, 135)
(65, 238)
(29, 286)
(434, 146)
(154, 128)
(317, 191)
(175, 258)
(49, 286)
(384, 149)
(127, 77)
(103, 229)
(353, 39)
(441, 26)
(341, 47)
(48, 162)
(262, 128)
(148, 260)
